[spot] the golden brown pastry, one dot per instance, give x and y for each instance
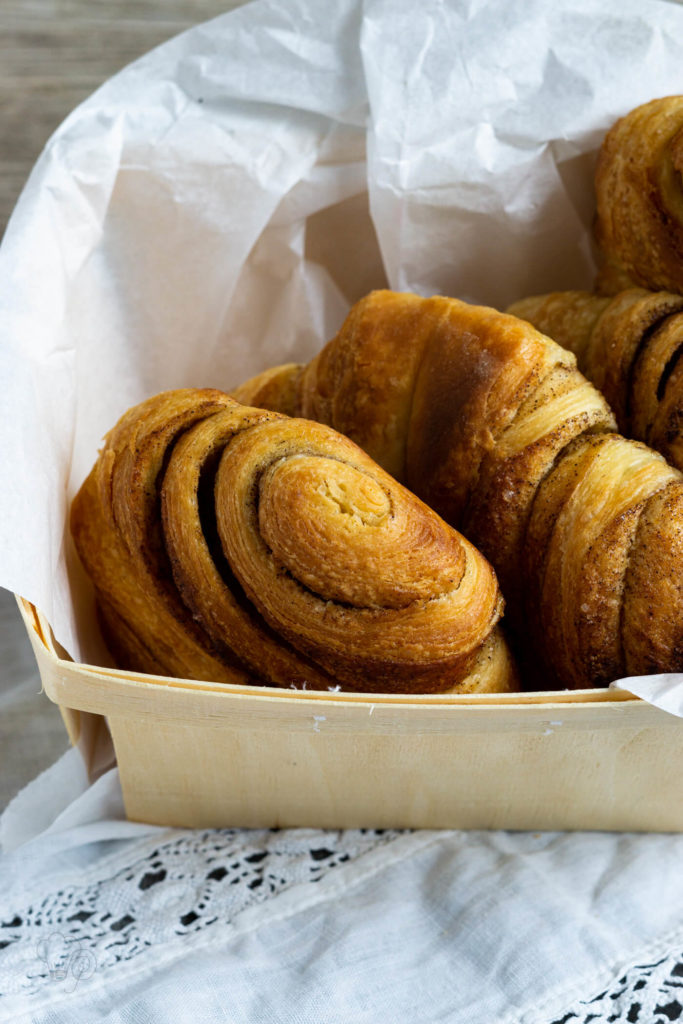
(630, 346)
(229, 543)
(467, 407)
(277, 389)
(639, 222)
(491, 423)
(117, 531)
(604, 551)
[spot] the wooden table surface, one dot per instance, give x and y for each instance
(53, 54)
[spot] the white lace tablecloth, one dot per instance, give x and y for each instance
(105, 920)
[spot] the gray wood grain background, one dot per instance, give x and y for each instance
(53, 54)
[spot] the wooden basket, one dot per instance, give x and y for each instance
(201, 755)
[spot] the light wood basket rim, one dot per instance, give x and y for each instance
(35, 621)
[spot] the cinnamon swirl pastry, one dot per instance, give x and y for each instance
(639, 222)
(631, 347)
(229, 543)
(492, 424)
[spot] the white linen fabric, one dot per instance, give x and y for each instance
(106, 920)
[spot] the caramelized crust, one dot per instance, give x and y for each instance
(653, 606)
(230, 543)
(117, 531)
(364, 386)
(631, 347)
(569, 318)
(276, 388)
(639, 222)
(348, 565)
(492, 424)
(580, 541)
(202, 575)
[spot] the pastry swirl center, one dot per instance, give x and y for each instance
(336, 530)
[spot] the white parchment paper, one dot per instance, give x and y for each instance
(217, 206)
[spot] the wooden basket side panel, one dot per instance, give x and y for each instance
(87, 730)
(623, 780)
